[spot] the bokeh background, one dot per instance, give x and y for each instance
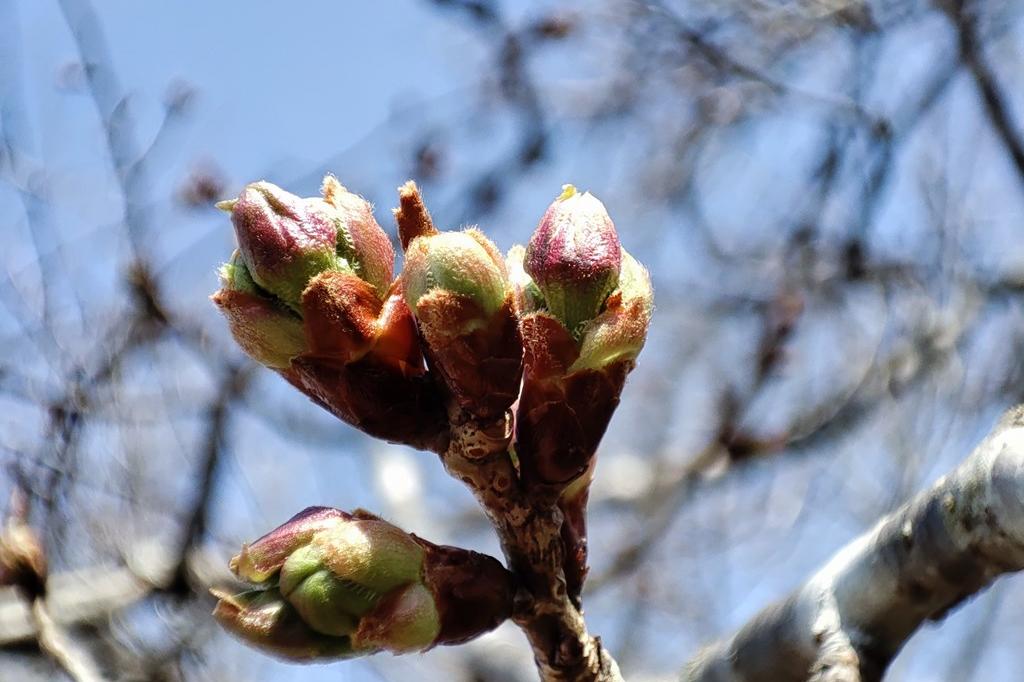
(828, 195)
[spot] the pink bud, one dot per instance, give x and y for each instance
(574, 257)
(283, 241)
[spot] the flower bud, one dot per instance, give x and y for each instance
(265, 329)
(454, 282)
(338, 584)
(464, 264)
(575, 363)
(283, 241)
(618, 334)
(574, 258)
(310, 294)
(361, 242)
(265, 620)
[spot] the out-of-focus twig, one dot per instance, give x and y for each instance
(997, 107)
(73, 659)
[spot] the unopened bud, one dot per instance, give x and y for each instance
(265, 329)
(282, 239)
(361, 242)
(463, 264)
(455, 284)
(618, 334)
(574, 258)
(264, 619)
(337, 584)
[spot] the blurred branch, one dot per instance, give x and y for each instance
(93, 594)
(723, 62)
(73, 659)
(848, 621)
(996, 105)
(112, 106)
(233, 387)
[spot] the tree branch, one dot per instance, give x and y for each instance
(850, 619)
(996, 105)
(72, 659)
(91, 595)
(528, 523)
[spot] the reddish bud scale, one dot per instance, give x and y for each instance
(481, 368)
(559, 424)
(377, 399)
(473, 591)
(364, 364)
(412, 215)
(340, 313)
(562, 415)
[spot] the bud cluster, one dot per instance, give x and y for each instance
(465, 353)
(585, 305)
(309, 293)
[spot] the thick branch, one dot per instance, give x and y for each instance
(529, 527)
(851, 618)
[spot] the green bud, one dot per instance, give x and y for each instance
(618, 334)
(361, 243)
(574, 258)
(265, 620)
(336, 585)
(461, 263)
(407, 621)
(336, 574)
(327, 604)
(268, 331)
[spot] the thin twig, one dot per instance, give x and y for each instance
(71, 657)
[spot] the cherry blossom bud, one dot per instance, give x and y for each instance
(266, 329)
(574, 258)
(361, 242)
(463, 264)
(335, 585)
(282, 240)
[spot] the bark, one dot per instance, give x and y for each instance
(529, 522)
(848, 621)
